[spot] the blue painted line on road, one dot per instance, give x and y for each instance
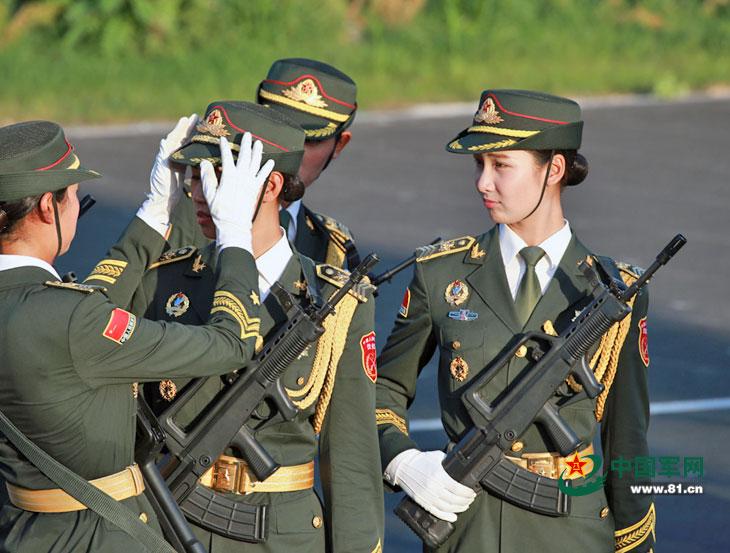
(656, 408)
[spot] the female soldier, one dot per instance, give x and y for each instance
(70, 360)
(470, 296)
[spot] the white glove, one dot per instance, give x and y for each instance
(424, 479)
(233, 203)
(166, 180)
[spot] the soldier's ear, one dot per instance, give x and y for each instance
(273, 187)
(342, 141)
(45, 208)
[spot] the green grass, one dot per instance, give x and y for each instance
(451, 51)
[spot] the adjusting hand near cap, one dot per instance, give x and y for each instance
(166, 178)
(424, 479)
(233, 202)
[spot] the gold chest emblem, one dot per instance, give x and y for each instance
(456, 293)
(459, 369)
(177, 305)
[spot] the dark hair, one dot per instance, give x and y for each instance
(293, 188)
(11, 213)
(576, 165)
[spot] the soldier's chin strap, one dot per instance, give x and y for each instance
(58, 224)
(261, 200)
(332, 153)
(544, 186)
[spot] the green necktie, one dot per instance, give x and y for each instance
(284, 219)
(529, 292)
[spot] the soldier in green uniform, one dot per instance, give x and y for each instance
(322, 100)
(332, 383)
(70, 359)
(470, 296)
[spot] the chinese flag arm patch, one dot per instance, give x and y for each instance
(369, 356)
(403, 311)
(644, 342)
(121, 326)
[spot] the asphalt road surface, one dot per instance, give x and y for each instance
(656, 169)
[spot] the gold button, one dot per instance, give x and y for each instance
(548, 328)
(300, 381)
(604, 512)
(521, 351)
(517, 446)
(456, 344)
(143, 517)
(316, 522)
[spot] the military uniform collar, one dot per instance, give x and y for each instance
(8, 261)
(294, 208)
(510, 244)
(272, 264)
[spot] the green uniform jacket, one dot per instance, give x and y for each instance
(423, 326)
(68, 361)
(349, 465)
(324, 240)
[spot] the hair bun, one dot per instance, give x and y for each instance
(578, 170)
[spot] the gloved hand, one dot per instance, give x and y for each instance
(424, 479)
(166, 179)
(233, 203)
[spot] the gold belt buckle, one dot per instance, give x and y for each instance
(543, 465)
(225, 475)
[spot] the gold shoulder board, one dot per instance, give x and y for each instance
(83, 288)
(173, 256)
(338, 277)
(632, 270)
(334, 226)
(447, 247)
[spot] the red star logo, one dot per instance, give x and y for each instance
(576, 465)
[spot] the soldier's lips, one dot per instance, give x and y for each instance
(489, 204)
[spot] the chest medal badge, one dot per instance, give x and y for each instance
(456, 293)
(177, 304)
(459, 369)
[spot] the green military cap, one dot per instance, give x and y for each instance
(35, 158)
(282, 138)
(319, 97)
(521, 120)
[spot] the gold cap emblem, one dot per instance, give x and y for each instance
(213, 124)
(168, 389)
(307, 92)
(487, 113)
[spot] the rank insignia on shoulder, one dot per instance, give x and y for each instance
(107, 270)
(177, 305)
(456, 245)
(456, 293)
(173, 255)
(338, 277)
(463, 315)
(403, 311)
(83, 288)
(632, 270)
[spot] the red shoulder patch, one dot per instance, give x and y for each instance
(403, 311)
(121, 326)
(369, 356)
(644, 342)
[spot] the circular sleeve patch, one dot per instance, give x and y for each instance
(369, 356)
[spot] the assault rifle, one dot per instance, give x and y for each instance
(478, 459)
(196, 447)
